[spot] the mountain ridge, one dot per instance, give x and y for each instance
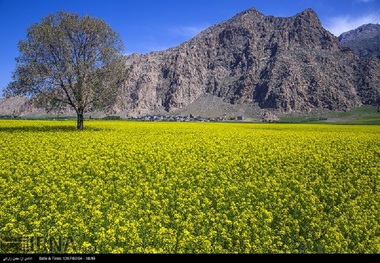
(364, 40)
(285, 64)
(255, 63)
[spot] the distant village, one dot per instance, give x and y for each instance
(189, 118)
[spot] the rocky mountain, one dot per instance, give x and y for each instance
(253, 64)
(284, 64)
(13, 106)
(364, 41)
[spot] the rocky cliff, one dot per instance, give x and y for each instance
(252, 63)
(287, 64)
(364, 40)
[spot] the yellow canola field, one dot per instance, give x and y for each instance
(155, 187)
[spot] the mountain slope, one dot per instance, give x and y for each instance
(286, 64)
(364, 41)
(253, 64)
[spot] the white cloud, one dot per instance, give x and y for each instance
(187, 31)
(363, 1)
(340, 24)
(166, 37)
(147, 47)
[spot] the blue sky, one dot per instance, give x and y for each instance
(152, 25)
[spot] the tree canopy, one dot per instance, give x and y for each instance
(69, 60)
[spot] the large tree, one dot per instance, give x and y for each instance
(70, 60)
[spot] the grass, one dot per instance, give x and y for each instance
(359, 115)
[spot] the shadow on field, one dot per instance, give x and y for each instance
(55, 128)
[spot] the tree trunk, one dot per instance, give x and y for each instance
(80, 119)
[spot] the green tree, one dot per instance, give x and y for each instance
(70, 60)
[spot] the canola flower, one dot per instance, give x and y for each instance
(155, 187)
